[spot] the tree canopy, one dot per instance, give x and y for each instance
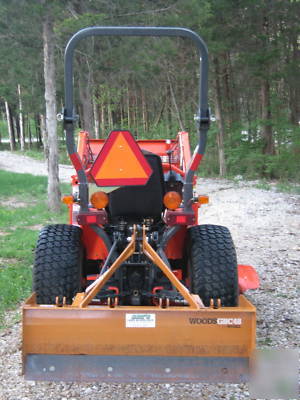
(149, 85)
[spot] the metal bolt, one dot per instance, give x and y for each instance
(52, 368)
(168, 370)
(110, 369)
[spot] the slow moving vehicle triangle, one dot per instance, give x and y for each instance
(120, 162)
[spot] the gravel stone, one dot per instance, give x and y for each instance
(265, 228)
(29, 166)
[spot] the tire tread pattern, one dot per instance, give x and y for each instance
(57, 269)
(213, 264)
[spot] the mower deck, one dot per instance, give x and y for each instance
(131, 344)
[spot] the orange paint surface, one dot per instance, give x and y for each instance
(121, 162)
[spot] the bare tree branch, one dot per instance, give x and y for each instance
(158, 10)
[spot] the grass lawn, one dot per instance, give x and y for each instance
(23, 211)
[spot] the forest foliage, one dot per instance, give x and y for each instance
(150, 85)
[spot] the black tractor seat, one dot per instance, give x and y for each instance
(137, 202)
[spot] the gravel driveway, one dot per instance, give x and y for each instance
(17, 163)
(265, 227)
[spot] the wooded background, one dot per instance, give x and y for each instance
(149, 85)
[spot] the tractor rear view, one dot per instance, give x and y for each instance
(133, 288)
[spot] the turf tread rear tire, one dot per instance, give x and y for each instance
(57, 267)
(213, 264)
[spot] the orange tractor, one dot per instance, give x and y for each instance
(133, 288)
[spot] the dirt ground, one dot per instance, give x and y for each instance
(265, 228)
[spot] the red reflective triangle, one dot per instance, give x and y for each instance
(120, 162)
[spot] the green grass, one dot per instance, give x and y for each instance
(23, 211)
(38, 153)
(281, 186)
(263, 185)
(35, 153)
(23, 185)
(288, 187)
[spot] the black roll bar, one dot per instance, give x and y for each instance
(202, 116)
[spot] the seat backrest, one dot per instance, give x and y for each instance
(136, 202)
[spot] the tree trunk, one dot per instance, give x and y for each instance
(44, 136)
(51, 125)
(267, 132)
(29, 131)
(175, 103)
(109, 116)
(85, 94)
(96, 117)
(16, 126)
(229, 93)
(159, 114)
(128, 107)
(144, 111)
(102, 121)
(37, 126)
(21, 120)
(294, 86)
(122, 115)
(10, 128)
(135, 110)
(220, 120)
(168, 111)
